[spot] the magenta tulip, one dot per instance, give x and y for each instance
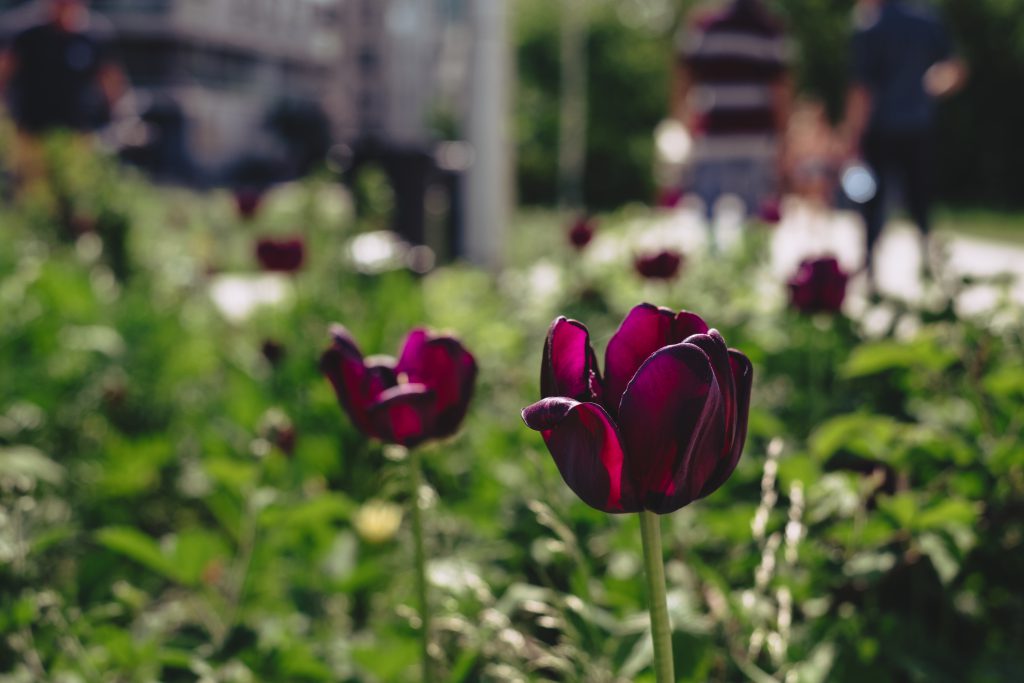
(669, 198)
(281, 255)
(664, 427)
(819, 285)
(663, 265)
(423, 395)
(770, 211)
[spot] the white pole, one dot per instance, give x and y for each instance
(488, 180)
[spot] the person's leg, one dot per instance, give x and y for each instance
(704, 183)
(916, 161)
(875, 151)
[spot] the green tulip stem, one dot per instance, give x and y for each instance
(654, 569)
(420, 560)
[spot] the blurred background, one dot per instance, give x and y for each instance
(225, 93)
(191, 191)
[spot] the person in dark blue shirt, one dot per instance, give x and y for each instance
(58, 75)
(902, 62)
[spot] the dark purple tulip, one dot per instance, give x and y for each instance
(423, 395)
(284, 255)
(663, 265)
(665, 426)
(581, 232)
(247, 202)
(819, 285)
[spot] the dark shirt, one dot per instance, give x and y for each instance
(734, 58)
(890, 58)
(55, 82)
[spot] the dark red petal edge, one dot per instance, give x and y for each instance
(586, 447)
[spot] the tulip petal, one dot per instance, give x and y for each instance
(645, 329)
(672, 426)
(714, 346)
(569, 367)
(411, 348)
(405, 414)
(743, 376)
(688, 324)
(357, 385)
(585, 445)
(445, 367)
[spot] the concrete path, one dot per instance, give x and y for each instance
(806, 232)
(898, 257)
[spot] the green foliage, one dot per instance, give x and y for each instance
(155, 525)
(628, 63)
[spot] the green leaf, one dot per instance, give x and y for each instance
(193, 552)
(233, 475)
(139, 547)
(863, 434)
(816, 667)
(1006, 381)
(902, 507)
(133, 466)
(311, 513)
(951, 511)
(947, 566)
(861, 535)
(464, 666)
(51, 537)
(798, 467)
(401, 654)
(874, 358)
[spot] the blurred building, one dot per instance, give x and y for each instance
(393, 79)
(404, 72)
(226, 64)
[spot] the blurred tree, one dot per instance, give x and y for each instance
(628, 55)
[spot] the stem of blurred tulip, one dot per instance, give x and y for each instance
(420, 560)
(654, 569)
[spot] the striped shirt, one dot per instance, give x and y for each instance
(734, 57)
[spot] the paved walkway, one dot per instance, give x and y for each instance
(807, 232)
(898, 256)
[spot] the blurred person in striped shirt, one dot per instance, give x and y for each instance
(732, 90)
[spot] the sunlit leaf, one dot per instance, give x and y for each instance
(140, 548)
(29, 462)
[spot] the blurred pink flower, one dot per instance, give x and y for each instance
(819, 285)
(582, 231)
(423, 395)
(770, 211)
(663, 265)
(281, 255)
